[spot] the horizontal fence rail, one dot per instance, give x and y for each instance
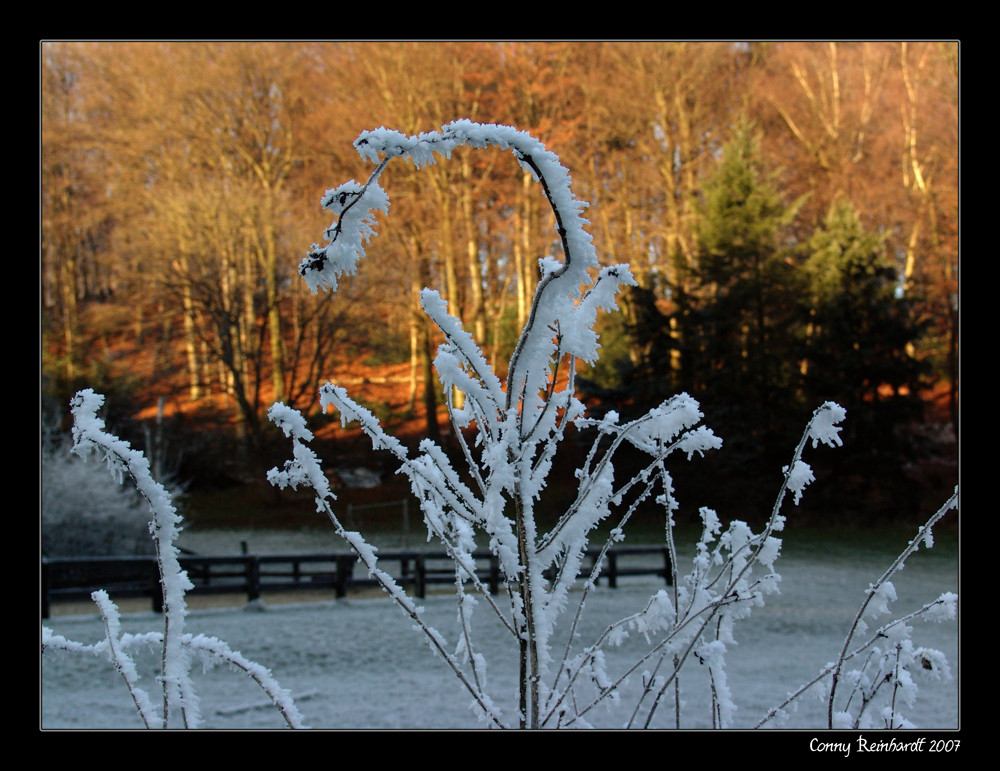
(252, 574)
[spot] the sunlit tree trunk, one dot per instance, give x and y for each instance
(195, 391)
(275, 335)
(70, 320)
(477, 309)
(525, 259)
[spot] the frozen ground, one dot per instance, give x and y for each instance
(357, 663)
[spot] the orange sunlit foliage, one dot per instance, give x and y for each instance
(181, 181)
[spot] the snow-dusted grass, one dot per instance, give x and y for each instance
(359, 664)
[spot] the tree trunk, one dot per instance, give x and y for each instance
(67, 287)
(191, 345)
(478, 310)
(274, 313)
(523, 251)
(421, 339)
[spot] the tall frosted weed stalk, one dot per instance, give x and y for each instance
(517, 425)
(179, 651)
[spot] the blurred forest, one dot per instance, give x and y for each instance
(790, 211)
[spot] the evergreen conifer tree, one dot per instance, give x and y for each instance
(739, 328)
(855, 346)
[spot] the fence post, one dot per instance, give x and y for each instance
(612, 570)
(344, 569)
(253, 578)
(404, 569)
(494, 574)
(156, 589)
(46, 585)
(420, 577)
(406, 523)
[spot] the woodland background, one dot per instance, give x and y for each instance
(790, 211)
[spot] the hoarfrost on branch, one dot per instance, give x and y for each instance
(518, 424)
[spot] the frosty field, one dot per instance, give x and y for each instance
(358, 664)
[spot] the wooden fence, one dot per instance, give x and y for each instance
(75, 579)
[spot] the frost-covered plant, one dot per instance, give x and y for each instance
(518, 425)
(178, 650)
(890, 663)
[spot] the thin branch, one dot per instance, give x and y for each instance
(897, 565)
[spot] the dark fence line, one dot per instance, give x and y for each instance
(252, 574)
